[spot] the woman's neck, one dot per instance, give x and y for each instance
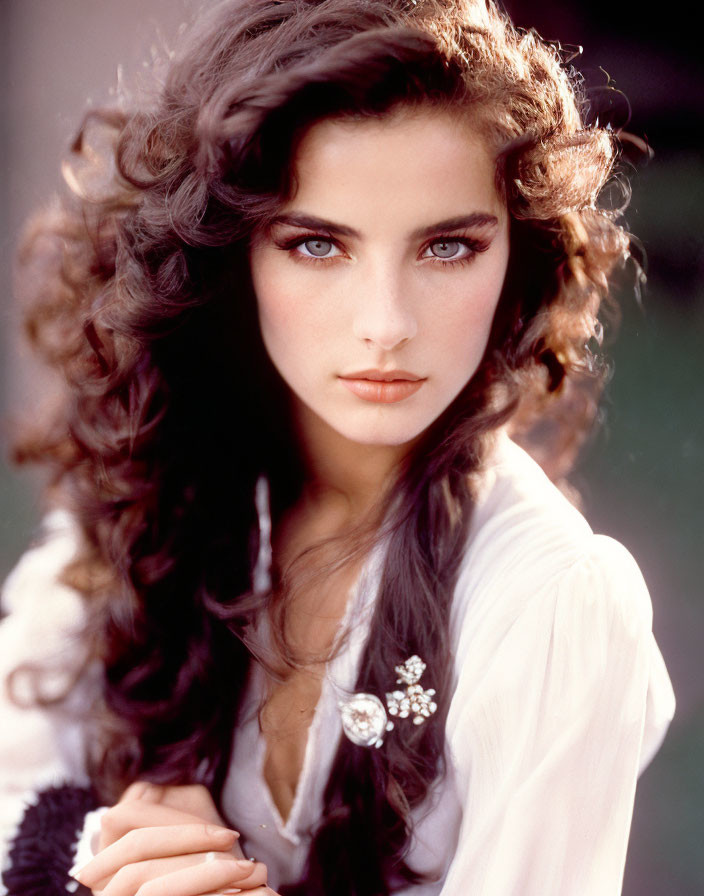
(341, 472)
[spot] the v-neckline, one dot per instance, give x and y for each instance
(339, 678)
(289, 825)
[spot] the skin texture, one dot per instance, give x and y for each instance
(391, 291)
(168, 841)
(385, 298)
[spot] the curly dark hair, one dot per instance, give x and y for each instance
(140, 293)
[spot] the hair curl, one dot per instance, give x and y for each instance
(140, 294)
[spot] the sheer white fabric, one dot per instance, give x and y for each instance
(560, 699)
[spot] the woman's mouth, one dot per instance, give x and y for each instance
(383, 387)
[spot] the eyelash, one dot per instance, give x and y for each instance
(475, 247)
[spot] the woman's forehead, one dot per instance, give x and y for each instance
(396, 165)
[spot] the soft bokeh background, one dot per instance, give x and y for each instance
(641, 476)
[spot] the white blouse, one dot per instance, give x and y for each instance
(560, 698)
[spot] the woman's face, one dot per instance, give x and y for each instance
(377, 283)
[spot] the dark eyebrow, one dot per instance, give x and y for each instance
(310, 222)
(460, 222)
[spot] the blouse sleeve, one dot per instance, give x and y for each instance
(43, 782)
(548, 730)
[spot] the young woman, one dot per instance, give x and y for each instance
(298, 579)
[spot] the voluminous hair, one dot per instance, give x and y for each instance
(140, 294)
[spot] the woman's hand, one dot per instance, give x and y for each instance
(169, 841)
(192, 799)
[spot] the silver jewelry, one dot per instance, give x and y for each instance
(415, 699)
(364, 718)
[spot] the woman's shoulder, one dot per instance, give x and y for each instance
(514, 495)
(42, 651)
(46, 696)
(42, 643)
(528, 543)
(43, 618)
(34, 594)
(525, 527)
(550, 612)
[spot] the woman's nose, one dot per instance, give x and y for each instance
(384, 314)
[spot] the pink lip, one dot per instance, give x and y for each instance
(382, 387)
(383, 376)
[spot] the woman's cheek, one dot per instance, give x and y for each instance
(468, 313)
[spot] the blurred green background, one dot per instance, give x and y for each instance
(643, 481)
(641, 476)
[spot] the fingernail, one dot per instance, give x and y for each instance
(75, 871)
(245, 864)
(222, 835)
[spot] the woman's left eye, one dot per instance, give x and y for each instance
(449, 250)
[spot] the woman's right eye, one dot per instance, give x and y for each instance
(317, 248)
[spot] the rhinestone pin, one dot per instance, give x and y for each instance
(364, 719)
(415, 699)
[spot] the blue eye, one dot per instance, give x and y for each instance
(317, 248)
(446, 248)
(311, 248)
(460, 250)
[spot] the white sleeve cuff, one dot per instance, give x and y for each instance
(87, 846)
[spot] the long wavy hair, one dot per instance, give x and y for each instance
(140, 294)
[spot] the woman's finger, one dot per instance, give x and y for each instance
(141, 844)
(254, 875)
(185, 876)
(131, 814)
(257, 891)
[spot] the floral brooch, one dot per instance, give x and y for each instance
(364, 717)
